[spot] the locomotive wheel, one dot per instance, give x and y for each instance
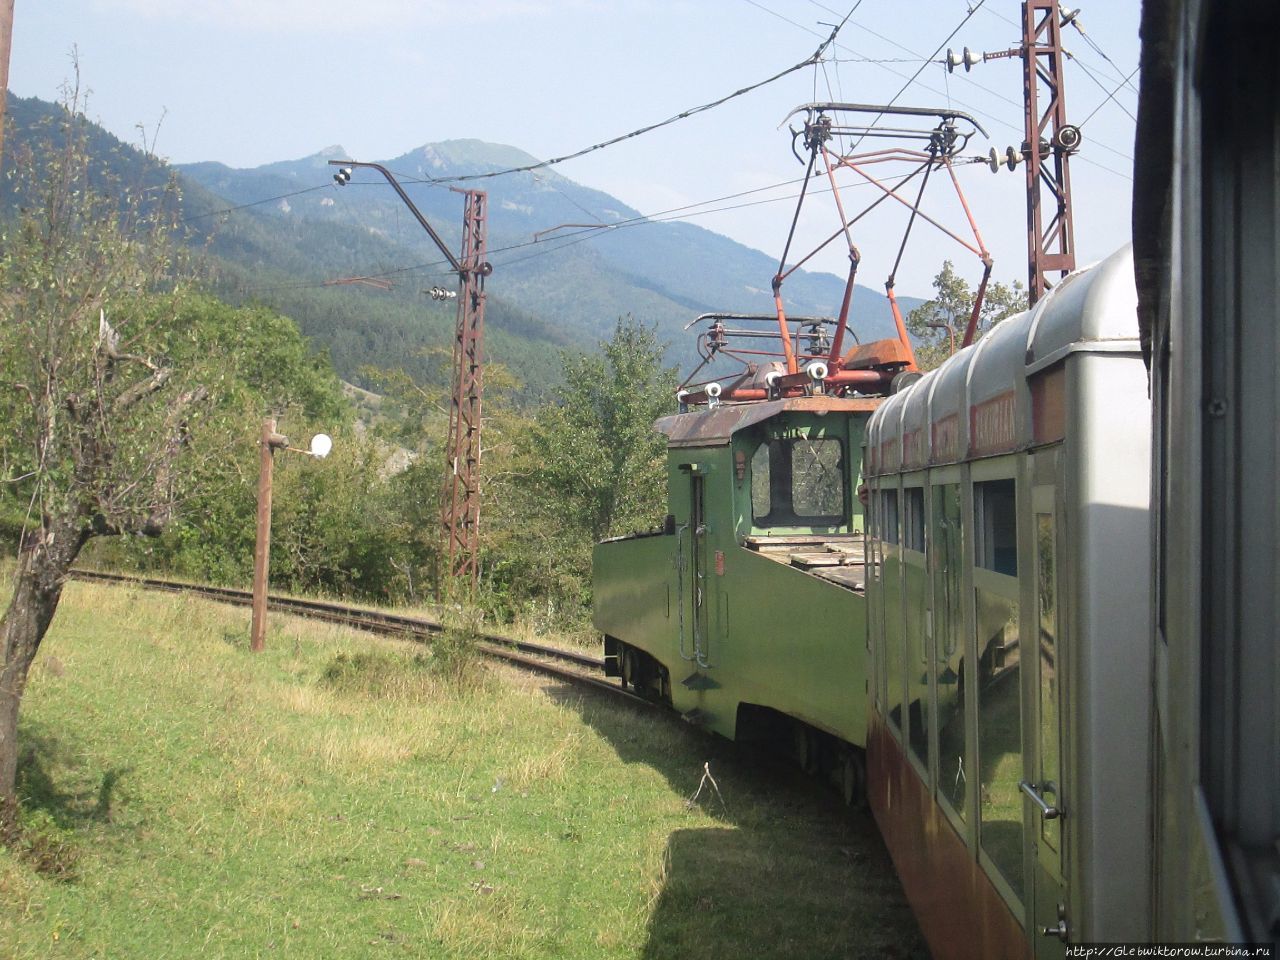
(629, 668)
(806, 748)
(851, 778)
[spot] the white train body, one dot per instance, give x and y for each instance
(1009, 599)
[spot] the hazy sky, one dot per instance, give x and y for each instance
(252, 81)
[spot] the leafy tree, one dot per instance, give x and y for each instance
(414, 415)
(263, 366)
(953, 304)
(589, 467)
(97, 415)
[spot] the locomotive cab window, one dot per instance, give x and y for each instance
(799, 482)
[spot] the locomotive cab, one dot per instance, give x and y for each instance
(747, 612)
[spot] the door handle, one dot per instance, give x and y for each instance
(1059, 929)
(1047, 811)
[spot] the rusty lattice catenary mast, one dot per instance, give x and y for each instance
(1050, 141)
(460, 497)
(460, 506)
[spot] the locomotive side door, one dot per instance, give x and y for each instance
(694, 633)
(1046, 807)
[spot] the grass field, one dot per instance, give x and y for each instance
(345, 796)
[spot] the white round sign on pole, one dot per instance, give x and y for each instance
(321, 444)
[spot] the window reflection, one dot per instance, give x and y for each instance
(893, 635)
(1046, 590)
(1000, 734)
(948, 620)
(998, 676)
(889, 499)
(760, 483)
(818, 488)
(917, 660)
(913, 518)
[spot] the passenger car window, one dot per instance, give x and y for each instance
(913, 518)
(999, 678)
(889, 515)
(947, 562)
(995, 516)
(915, 583)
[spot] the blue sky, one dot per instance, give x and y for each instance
(252, 81)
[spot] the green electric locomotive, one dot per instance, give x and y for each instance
(747, 611)
(764, 520)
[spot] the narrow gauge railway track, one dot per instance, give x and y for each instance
(538, 657)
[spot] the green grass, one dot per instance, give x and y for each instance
(345, 796)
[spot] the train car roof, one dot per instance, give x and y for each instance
(715, 427)
(978, 402)
(1095, 308)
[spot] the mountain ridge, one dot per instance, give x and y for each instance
(283, 234)
(690, 266)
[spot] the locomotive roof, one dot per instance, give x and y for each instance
(978, 403)
(715, 427)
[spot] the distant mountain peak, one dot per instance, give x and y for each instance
(449, 154)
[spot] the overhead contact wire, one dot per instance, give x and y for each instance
(932, 57)
(589, 233)
(255, 203)
(1110, 96)
(812, 59)
(916, 58)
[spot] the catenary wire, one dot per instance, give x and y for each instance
(1110, 95)
(254, 203)
(959, 26)
(1080, 30)
(856, 59)
(586, 233)
(1016, 128)
(970, 80)
(1103, 54)
(813, 58)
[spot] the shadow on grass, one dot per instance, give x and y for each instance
(51, 780)
(790, 874)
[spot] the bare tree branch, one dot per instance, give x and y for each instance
(139, 390)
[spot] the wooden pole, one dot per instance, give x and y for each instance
(262, 544)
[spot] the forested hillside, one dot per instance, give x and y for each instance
(578, 280)
(549, 292)
(82, 216)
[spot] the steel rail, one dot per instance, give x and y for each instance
(520, 652)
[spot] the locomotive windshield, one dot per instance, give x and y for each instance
(796, 481)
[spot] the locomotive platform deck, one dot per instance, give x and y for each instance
(837, 558)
